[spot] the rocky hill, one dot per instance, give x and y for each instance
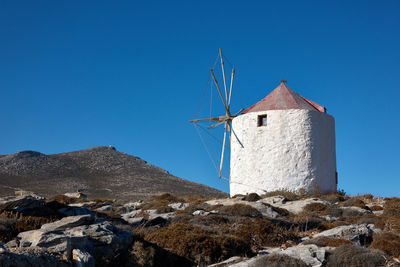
(101, 172)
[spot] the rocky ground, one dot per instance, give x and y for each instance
(277, 229)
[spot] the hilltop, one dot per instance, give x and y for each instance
(100, 172)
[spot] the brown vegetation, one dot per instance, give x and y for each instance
(392, 207)
(261, 233)
(324, 241)
(197, 244)
(240, 210)
(278, 260)
(350, 255)
(387, 242)
(252, 197)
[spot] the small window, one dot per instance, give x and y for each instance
(262, 120)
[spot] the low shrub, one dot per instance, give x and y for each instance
(315, 207)
(260, 233)
(252, 197)
(389, 224)
(376, 208)
(387, 242)
(164, 209)
(351, 255)
(354, 202)
(197, 244)
(278, 260)
(324, 241)
(240, 210)
(305, 221)
(288, 195)
(391, 208)
(280, 211)
(168, 198)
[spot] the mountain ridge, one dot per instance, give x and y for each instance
(101, 172)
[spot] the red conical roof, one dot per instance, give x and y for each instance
(284, 98)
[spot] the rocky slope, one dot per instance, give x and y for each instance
(101, 172)
(278, 229)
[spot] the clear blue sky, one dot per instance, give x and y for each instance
(76, 74)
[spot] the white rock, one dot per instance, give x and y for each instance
(227, 262)
(68, 222)
(275, 200)
(74, 211)
(179, 206)
(298, 206)
(200, 213)
(76, 195)
(2, 249)
(360, 234)
(82, 258)
(265, 210)
(105, 208)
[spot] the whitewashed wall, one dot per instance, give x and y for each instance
(295, 150)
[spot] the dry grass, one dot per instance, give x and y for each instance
(390, 224)
(324, 241)
(12, 223)
(392, 207)
(376, 208)
(387, 242)
(197, 244)
(354, 202)
(315, 207)
(252, 197)
(278, 260)
(350, 255)
(240, 210)
(288, 195)
(260, 233)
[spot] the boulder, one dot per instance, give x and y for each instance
(68, 222)
(297, 206)
(310, 254)
(179, 206)
(263, 209)
(200, 213)
(78, 195)
(275, 200)
(82, 258)
(105, 208)
(102, 240)
(2, 248)
(74, 211)
(360, 234)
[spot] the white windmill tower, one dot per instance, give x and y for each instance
(283, 142)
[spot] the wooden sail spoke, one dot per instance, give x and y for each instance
(214, 119)
(230, 89)
(219, 91)
(223, 75)
(223, 151)
(215, 125)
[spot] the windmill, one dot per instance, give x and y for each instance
(226, 119)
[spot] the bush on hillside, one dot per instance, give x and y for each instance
(252, 197)
(198, 245)
(387, 242)
(278, 260)
(351, 255)
(240, 210)
(324, 241)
